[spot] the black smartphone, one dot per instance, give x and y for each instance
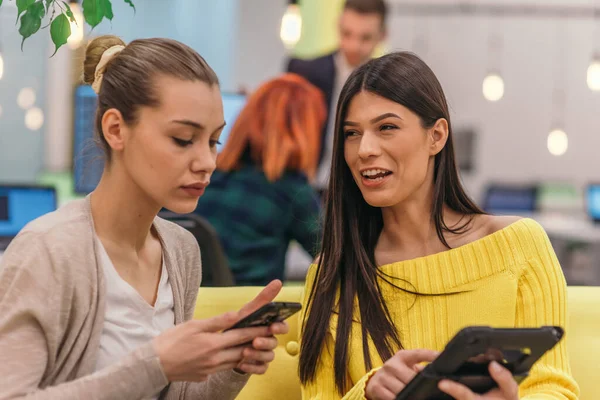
(467, 356)
(269, 314)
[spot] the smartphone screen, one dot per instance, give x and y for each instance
(269, 314)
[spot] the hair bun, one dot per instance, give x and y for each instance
(93, 55)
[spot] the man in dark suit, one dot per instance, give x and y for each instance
(362, 26)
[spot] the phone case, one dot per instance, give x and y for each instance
(268, 314)
(467, 356)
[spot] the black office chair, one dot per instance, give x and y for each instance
(215, 267)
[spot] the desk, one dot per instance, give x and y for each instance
(576, 242)
(577, 227)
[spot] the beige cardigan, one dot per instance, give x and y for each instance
(52, 313)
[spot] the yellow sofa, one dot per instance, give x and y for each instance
(281, 381)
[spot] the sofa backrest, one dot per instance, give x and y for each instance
(281, 380)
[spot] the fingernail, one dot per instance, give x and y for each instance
(444, 385)
(495, 366)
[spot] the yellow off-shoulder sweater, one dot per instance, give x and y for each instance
(510, 278)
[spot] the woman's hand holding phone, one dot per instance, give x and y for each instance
(256, 358)
(196, 349)
(508, 389)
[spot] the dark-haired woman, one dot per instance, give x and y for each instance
(408, 259)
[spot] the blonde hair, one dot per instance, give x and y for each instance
(127, 76)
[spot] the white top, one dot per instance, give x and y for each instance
(342, 72)
(129, 321)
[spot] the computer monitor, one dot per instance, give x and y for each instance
(88, 159)
(593, 201)
(21, 204)
(232, 105)
(511, 198)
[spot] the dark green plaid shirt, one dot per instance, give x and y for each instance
(256, 220)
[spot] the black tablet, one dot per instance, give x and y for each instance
(467, 356)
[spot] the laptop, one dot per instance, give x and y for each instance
(20, 204)
(508, 199)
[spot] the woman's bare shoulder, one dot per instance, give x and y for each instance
(495, 223)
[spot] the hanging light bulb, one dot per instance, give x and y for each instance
(34, 118)
(558, 142)
(1, 65)
(493, 87)
(76, 37)
(26, 98)
(291, 25)
(593, 74)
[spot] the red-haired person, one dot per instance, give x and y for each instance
(260, 197)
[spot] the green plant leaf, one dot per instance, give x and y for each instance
(69, 12)
(131, 4)
(22, 6)
(60, 30)
(93, 11)
(37, 9)
(0, 3)
(108, 12)
(31, 21)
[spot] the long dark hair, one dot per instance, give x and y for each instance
(352, 227)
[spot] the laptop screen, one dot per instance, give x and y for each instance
(510, 199)
(21, 204)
